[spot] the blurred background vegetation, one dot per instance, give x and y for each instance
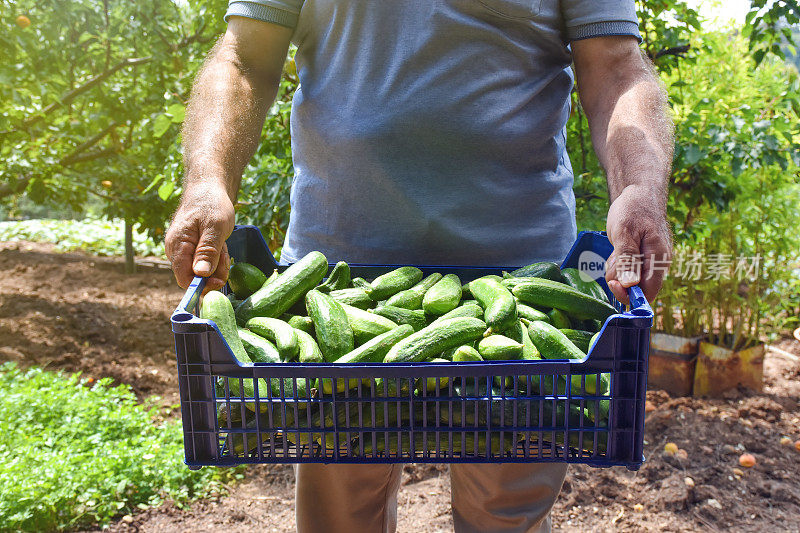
(92, 98)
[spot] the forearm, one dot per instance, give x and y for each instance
(632, 132)
(224, 118)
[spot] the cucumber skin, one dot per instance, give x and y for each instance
(277, 296)
(355, 297)
(309, 349)
(277, 331)
(499, 348)
(547, 293)
(552, 343)
(412, 298)
(466, 353)
(393, 282)
(500, 307)
(444, 296)
(413, 317)
(366, 325)
(529, 313)
(543, 269)
(217, 308)
(302, 323)
(468, 310)
(338, 279)
(559, 319)
(429, 342)
(592, 288)
(259, 349)
(334, 334)
(581, 339)
(244, 279)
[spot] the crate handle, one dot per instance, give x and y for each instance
(639, 304)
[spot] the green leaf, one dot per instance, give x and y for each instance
(176, 112)
(165, 190)
(160, 125)
(153, 183)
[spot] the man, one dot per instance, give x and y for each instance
(430, 132)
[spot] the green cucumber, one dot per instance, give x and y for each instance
(217, 308)
(559, 319)
(529, 313)
(413, 317)
(366, 325)
(339, 278)
(552, 343)
(355, 297)
(499, 348)
(432, 340)
(309, 351)
(499, 304)
(529, 350)
(467, 310)
(334, 334)
(412, 298)
(433, 384)
(259, 349)
(244, 279)
(543, 269)
(277, 331)
(373, 351)
(547, 293)
(277, 296)
(590, 287)
(393, 282)
(581, 339)
(443, 297)
(466, 352)
(303, 323)
(360, 283)
(593, 340)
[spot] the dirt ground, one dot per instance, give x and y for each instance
(80, 313)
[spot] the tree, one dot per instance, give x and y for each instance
(91, 98)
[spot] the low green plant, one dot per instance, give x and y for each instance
(76, 455)
(92, 235)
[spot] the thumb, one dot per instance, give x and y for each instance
(207, 252)
(626, 261)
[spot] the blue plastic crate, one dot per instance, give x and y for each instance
(488, 412)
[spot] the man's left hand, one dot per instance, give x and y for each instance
(637, 227)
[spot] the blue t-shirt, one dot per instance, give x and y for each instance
(433, 131)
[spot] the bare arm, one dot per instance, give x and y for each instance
(230, 98)
(633, 138)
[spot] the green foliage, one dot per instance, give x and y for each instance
(95, 236)
(91, 99)
(768, 24)
(75, 455)
(735, 191)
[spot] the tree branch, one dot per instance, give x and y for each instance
(77, 91)
(678, 51)
(75, 155)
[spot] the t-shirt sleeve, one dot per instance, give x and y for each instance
(283, 12)
(585, 19)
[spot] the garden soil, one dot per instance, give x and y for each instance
(79, 313)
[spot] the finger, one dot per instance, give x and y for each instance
(657, 250)
(220, 276)
(620, 293)
(181, 260)
(207, 252)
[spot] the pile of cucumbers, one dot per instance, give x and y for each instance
(307, 314)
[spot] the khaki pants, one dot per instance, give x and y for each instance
(505, 498)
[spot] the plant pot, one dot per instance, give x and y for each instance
(720, 369)
(671, 365)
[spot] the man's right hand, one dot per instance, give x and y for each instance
(195, 242)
